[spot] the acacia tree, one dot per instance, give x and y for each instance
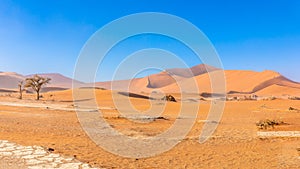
(36, 82)
(20, 85)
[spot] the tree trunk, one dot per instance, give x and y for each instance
(38, 95)
(20, 92)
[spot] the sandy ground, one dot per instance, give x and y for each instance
(51, 122)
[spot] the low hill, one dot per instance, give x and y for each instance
(10, 80)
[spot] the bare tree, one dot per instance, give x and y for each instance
(20, 85)
(36, 82)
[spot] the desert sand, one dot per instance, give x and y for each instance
(243, 138)
(52, 123)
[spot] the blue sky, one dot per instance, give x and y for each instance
(47, 36)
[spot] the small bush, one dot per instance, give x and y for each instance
(265, 124)
(294, 98)
(292, 108)
(169, 98)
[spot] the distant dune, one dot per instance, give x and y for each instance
(265, 83)
(58, 80)
(10, 80)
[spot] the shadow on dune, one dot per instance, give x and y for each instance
(81, 100)
(135, 95)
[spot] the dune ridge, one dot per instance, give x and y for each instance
(237, 82)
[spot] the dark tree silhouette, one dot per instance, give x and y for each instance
(36, 82)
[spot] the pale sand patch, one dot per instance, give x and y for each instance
(53, 106)
(278, 133)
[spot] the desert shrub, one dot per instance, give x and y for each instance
(294, 98)
(169, 98)
(251, 97)
(294, 109)
(270, 98)
(265, 124)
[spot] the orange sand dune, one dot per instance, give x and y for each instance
(238, 82)
(178, 80)
(171, 76)
(162, 79)
(279, 90)
(137, 84)
(246, 81)
(280, 81)
(159, 80)
(193, 71)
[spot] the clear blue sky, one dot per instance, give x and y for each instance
(47, 36)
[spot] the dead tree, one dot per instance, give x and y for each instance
(20, 85)
(36, 82)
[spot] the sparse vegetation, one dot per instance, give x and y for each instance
(293, 109)
(169, 98)
(294, 98)
(36, 82)
(250, 97)
(270, 98)
(265, 124)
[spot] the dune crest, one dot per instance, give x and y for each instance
(237, 82)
